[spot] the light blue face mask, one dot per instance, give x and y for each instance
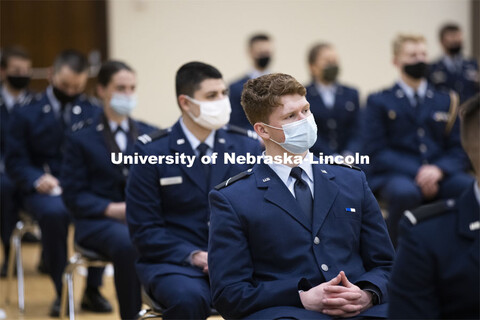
(123, 104)
(299, 135)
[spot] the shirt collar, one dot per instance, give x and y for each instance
(53, 100)
(326, 88)
(283, 171)
(194, 142)
(124, 125)
(421, 91)
(256, 73)
(10, 100)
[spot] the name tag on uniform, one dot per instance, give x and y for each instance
(441, 116)
(171, 180)
(350, 210)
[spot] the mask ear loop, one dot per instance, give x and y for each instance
(273, 128)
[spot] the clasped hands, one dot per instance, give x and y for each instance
(333, 299)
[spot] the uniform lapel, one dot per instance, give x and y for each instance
(317, 101)
(278, 194)
(179, 143)
(403, 103)
(131, 136)
(103, 128)
(325, 192)
(218, 173)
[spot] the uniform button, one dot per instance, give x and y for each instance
(316, 240)
(423, 148)
(324, 267)
(421, 132)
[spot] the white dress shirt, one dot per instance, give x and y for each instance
(121, 136)
(327, 92)
(194, 142)
(410, 93)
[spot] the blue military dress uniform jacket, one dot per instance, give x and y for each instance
(167, 204)
(338, 127)
(238, 117)
(436, 272)
(36, 137)
(5, 115)
(262, 245)
(464, 81)
(89, 179)
(400, 138)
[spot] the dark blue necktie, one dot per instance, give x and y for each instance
(418, 100)
(303, 194)
(202, 151)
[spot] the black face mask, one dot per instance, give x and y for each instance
(417, 70)
(262, 62)
(63, 97)
(330, 73)
(18, 82)
(455, 49)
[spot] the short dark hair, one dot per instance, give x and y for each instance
(191, 74)
(446, 28)
(315, 50)
(13, 52)
(262, 95)
(258, 37)
(108, 69)
(73, 59)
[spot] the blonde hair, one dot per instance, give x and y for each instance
(400, 39)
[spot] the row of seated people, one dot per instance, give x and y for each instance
(58, 154)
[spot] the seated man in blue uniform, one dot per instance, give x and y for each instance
(335, 107)
(15, 73)
(436, 272)
(167, 204)
(34, 156)
(412, 137)
(453, 71)
(94, 187)
(260, 52)
(295, 241)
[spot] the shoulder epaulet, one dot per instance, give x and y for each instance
(429, 211)
(236, 129)
(93, 100)
(233, 179)
(81, 124)
(152, 136)
(347, 166)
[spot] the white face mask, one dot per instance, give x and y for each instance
(123, 104)
(299, 135)
(213, 114)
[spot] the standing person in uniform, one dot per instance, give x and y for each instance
(436, 272)
(34, 156)
(94, 187)
(412, 137)
(260, 52)
(167, 204)
(335, 107)
(453, 71)
(295, 241)
(15, 73)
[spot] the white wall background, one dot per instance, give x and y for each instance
(157, 36)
